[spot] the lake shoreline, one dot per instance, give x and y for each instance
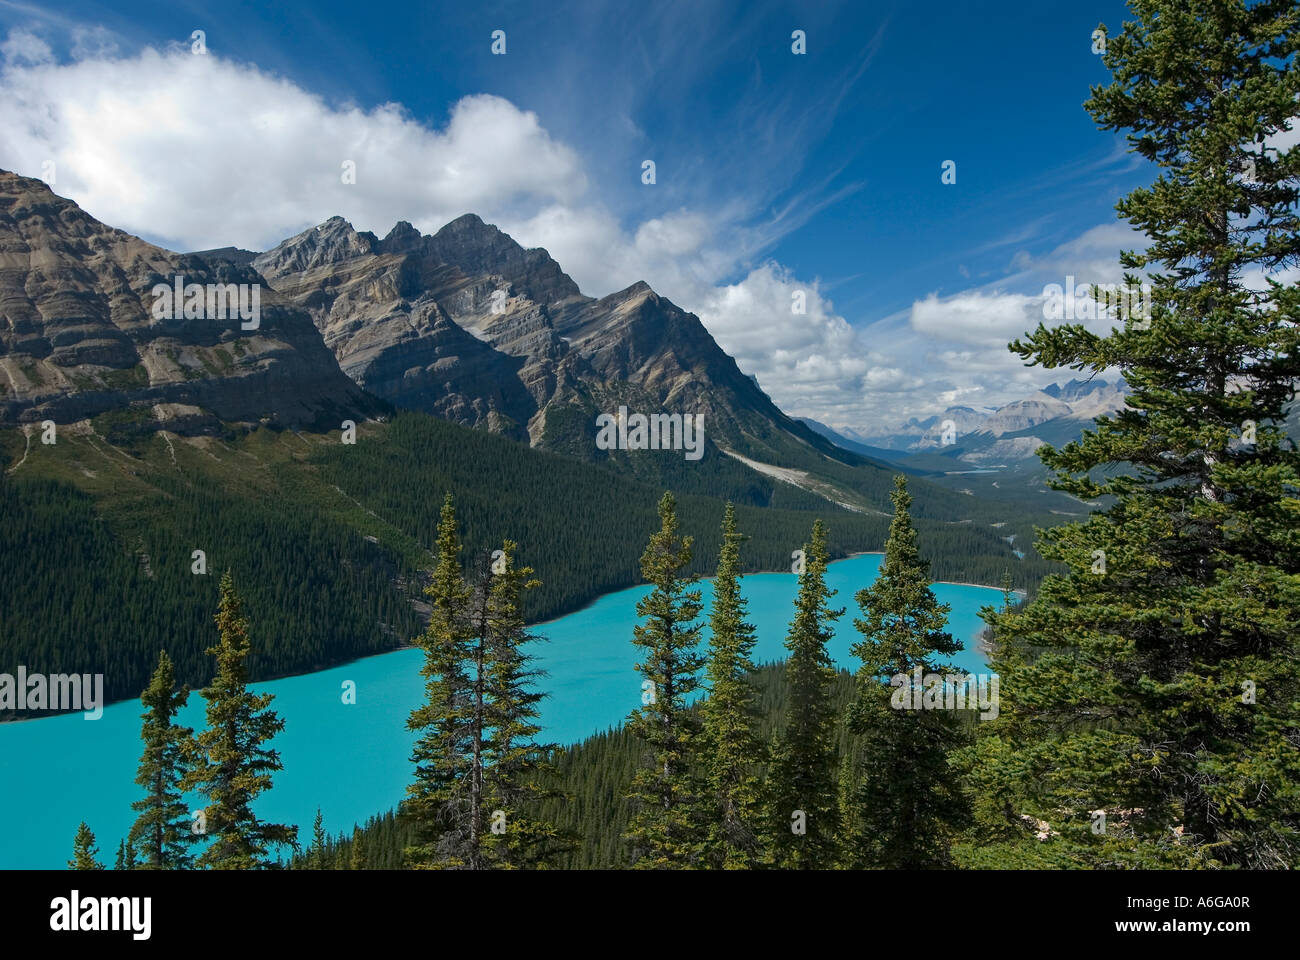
(540, 623)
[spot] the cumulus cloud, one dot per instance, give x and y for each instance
(23, 46)
(200, 151)
(813, 363)
(973, 317)
(197, 151)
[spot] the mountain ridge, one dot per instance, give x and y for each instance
(79, 335)
(548, 358)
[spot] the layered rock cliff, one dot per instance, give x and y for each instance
(79, 335)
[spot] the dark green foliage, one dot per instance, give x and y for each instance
(592, 780)
(1150, 696)
(383, 847)
(230, 763)
(315, 859)
(802, 812)
(666, 829)
(84, 850)
(100, 581)
(161, 834)
(125, 857)
(479, 770)
(520, 775)
(444, 801)
(908, 806)
(92, 596)
(732, 748)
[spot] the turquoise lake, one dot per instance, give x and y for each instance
(353, 760)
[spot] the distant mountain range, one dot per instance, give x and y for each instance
(992, 453)
(1011, 432)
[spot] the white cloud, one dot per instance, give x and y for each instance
(199, 151)
(23, 46)
(956, 345)
(810, 363)
(92, 42)
(972, 317)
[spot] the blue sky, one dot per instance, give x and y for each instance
(774, 172)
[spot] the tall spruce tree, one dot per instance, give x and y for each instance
(161, 835)
(520, 771)
(666, 827)
(84, 850)
(802, 815)
(1150, 696)
(125, 859)
(230, 762)
(909, 805)
(358, 859)
(316, 855)
(732, 746)
(441, 801)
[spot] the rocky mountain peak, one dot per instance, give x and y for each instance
(638, 291)
(479, 248)
(403, 238)
(327, 243)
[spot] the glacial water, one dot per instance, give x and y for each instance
(352, 760)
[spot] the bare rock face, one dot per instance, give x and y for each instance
(469, 325)
(379, 306)
(79, 336)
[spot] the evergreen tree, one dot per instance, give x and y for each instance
(316, 856)
(125, 856)
(665, 829)
(803, 778)
(846, 802)
(479, 768)
(909, 805)
(442, 802)
(358, 859)
(84, 850)
(520, 767)
(231, 765)
(732, 745)
(162, 831)
(1151, 694)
